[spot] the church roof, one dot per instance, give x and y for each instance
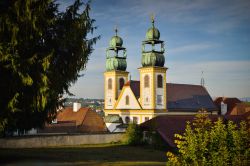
(185, 97)
(182, 97)
(114, 118)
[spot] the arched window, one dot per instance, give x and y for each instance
(146, 81)
(127, 120)
(121, 83)
(135, 120)
(159, 81)
(127, 100)
(109, 83)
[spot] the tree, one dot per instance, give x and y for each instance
(133, 135)
(211, 143)
(42, 52)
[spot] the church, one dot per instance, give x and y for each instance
(140, 100)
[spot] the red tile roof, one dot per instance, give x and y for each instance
(169, 125)
(68, 114)
(68, 121)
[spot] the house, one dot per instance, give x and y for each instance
(151, 96)
(76, 120)
(240, 109)
(226, 105)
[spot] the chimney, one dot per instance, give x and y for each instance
(76, 107)
(223, 108)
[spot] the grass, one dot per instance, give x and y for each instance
(103, 155)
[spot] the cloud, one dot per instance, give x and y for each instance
(191, 48)
(229, 78)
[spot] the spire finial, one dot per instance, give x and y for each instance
(116, 30)
(202, 79)
(153, 19)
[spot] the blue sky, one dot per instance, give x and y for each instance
(207, 35)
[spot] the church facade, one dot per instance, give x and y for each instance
(151, 96)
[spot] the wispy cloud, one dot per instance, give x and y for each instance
(191, 48)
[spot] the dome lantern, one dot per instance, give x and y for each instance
(153, 33)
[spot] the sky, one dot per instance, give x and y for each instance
(206, 35)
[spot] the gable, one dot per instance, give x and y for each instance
(133, 102)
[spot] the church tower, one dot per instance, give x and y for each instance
(116, 74)
(153, 72)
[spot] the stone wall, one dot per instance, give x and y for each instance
(59, 140)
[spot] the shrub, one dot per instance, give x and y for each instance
(207, 143)
(133, 135)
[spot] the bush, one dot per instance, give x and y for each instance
(207, 143)
(133, 135)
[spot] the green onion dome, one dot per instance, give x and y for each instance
(153, 34)
(116, 63)
(116, 41)
(152, 59)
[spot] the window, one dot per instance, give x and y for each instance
(135, 120)
(121, 83)
(146, 119)
(127, 100)
(127, 120)
(109, 83)
(109, 102)
(159, 99)
(146, 81)
(159, 81)
(146, 101)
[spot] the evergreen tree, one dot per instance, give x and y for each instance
(42, 52)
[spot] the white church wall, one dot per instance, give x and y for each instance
(159, 97)
(141, 117)
(146, 116)
(146, 92)
(109, 99)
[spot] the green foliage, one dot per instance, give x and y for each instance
(42, 52)
(133, 135)
(207, 143)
